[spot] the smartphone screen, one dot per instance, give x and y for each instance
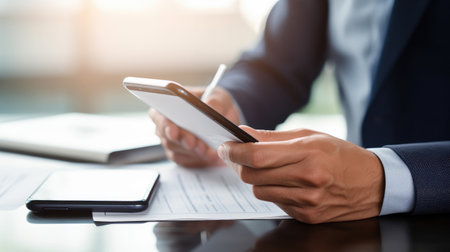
(95, 190)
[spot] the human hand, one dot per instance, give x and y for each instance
(312, 176)
(183, 147)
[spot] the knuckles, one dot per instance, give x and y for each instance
(314, 198)
(256, 159)
(246, 175)
(318, 177)
(246, 154)
(305, 132)
(310, 216)
(307, 215)
(257, 191)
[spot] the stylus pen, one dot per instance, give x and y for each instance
(214, 82)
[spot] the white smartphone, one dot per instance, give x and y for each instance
(95, 190)
(186, 110)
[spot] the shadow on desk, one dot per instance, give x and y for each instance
(288, 235)
(390, 233)
(346, 236)
(59, 218)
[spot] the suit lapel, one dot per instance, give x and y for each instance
(405, 16)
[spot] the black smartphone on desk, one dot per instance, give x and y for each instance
(95, 190)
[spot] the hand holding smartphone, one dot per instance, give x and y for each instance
(186, 111)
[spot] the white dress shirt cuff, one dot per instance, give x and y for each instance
(399, 188)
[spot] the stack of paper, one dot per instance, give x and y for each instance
(208, 194)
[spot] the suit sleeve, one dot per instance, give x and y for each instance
(274, 79)
(429, 164)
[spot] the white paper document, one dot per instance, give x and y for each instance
(15, 187)
(209, 194)
(20, 175)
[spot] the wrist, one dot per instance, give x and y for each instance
(379, 181)
(399, 187)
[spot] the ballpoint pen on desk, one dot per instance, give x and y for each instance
(214, 82)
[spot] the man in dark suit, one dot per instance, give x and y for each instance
(391, 64)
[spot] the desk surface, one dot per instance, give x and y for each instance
(21, 230)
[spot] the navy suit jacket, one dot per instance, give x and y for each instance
(409, 108)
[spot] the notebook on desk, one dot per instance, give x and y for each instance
(84, 137)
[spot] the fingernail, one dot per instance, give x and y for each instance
(221, 152)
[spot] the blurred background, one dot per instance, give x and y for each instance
(72, 55)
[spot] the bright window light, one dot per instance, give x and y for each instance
(256, 11)
(40, 6)
(207, 4)
(123, 5)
